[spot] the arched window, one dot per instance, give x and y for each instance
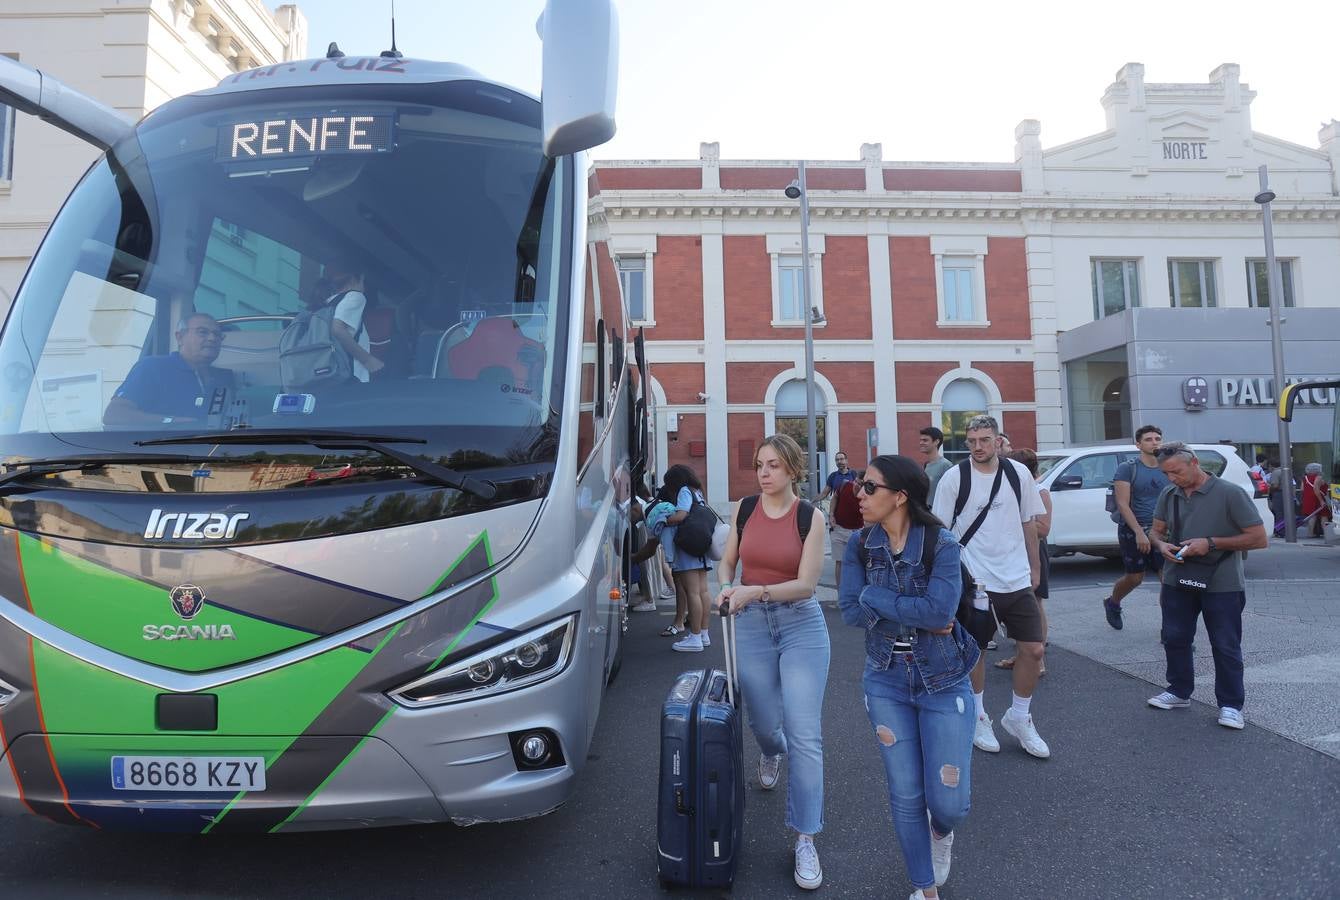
(790, 411)
(962, 399)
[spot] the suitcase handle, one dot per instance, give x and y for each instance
(728, 647)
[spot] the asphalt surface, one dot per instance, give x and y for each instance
(1134, 803)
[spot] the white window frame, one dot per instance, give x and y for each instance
(788, 245)
(637, 246)
(1130, 277)
(961, 252)
(8, 119)
(1290, 298)
(641, 263)
(1205, 263)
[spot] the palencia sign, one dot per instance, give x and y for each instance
(1261, 392)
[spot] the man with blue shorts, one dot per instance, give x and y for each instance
(1136, 487)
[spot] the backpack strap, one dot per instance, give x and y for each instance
(742, 515)
(862, 553)
(927, 550)
(1012, 476)
(804, 516)
(964, 489)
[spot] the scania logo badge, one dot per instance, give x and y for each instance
(187, 600)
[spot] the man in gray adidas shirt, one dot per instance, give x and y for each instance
(1001, 552)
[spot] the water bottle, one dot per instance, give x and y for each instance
(979, 598)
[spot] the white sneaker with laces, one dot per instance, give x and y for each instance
(1022, 728)
(690, 643)
(769, 771)
(984, 738)
(645, 606)
(1168, 700)
(809, 874)
(668, 593)
(940, 852)
(707, 638)
(1231, 718)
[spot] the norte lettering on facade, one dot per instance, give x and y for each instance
(1185, 150)
(1261, 392)
(298, 136)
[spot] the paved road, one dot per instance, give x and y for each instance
(1135, 803)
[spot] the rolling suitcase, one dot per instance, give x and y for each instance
(700, 809)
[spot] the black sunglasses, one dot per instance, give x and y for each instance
(870, 487)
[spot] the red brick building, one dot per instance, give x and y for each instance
(920, 274)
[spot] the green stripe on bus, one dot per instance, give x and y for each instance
(344, 762)
(111, 609)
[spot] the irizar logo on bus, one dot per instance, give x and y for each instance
(192, 526)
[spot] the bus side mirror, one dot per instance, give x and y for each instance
(580, 74)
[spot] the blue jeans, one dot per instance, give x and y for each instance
(1223, 622)
(926, 742)
(783, 652)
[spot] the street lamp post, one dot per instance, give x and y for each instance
(1277, 352)
(797, 190)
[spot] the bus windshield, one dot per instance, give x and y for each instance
(351, 258)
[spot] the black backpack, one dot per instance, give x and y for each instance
(694, 534)
(979, 623)
(804, 516)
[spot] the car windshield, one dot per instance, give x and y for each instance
(357, 258)
(1047, 462)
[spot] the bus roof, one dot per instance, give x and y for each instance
(345, 70)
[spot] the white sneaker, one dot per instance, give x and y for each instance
(1022, 728)
(809, 874)
(1231, 718)
(645, 606)
(940, 850)
(984, 738)
(668, 594)
(769, 771)
(707, 638)
(691, 643)
(1168, 700)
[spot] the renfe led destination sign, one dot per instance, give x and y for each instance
(311, 135)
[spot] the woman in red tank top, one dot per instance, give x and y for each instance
(781, 638)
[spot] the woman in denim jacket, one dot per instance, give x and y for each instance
(918, 657)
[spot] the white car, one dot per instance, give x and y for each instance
(1079, 477)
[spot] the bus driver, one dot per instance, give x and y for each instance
(176, 387)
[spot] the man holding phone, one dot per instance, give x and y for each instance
(1199, 527)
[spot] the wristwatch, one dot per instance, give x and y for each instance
(1211, 546)
(767, 595)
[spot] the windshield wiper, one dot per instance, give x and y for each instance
(29, 467)
(343, 440)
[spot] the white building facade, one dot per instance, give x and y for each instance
(132, 55)
(949, 289)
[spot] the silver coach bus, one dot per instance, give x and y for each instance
(237, 594)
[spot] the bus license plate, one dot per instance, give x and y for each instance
(188, 773)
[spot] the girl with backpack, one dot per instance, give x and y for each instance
(902, 583)
(781, 638)
(682, 488)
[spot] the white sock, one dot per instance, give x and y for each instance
(1021, 704)
(977, 701)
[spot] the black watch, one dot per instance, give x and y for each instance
(1212, 547)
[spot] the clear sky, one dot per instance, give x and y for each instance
(773, 79)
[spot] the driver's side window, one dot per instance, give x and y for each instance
(1096, 470)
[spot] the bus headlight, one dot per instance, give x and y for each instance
(519, 662)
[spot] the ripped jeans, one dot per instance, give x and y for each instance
(925, 740)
